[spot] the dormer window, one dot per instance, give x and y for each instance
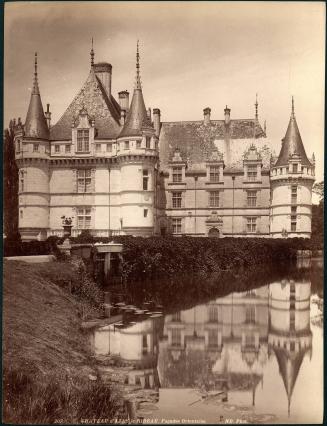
(35, 147)
(252, 172)
(214, 174)
(83, 138)
(294, 168)
(177, 174)
(148, 142)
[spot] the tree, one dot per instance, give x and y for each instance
(318, 188)
(10, 185)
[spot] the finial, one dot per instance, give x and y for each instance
(293, 115)
(138, 78)
(92, 54)
(256, 106)
(35, 90)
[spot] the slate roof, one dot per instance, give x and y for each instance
(292, 144)
(103, 109)
(196, 140)
(137, 119)
(35, 124)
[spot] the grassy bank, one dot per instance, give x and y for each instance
(48, 373)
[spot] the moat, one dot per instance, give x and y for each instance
(249, 356)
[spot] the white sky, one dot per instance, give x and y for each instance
(193, 55)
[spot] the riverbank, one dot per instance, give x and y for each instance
(49, 374)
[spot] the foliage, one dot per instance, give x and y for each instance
(151, 258)
(84, 237)
(318, 188)
(28, 401)
(10, 185)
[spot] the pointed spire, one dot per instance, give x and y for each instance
(138, 78)
(35, 123)
(92, 54)
(292, 143)
(35, 89)
(137, 117)
(256, 106)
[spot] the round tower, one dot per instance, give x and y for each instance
(291, 180)
(138, 158)
(32, 157)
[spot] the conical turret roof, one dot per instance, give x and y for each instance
(292, 144)
(35, 123)
(137, 118)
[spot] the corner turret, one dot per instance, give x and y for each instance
(291, 177)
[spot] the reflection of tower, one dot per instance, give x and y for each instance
(136, 344)
(290, 336)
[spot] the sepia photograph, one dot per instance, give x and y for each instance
(163, 212)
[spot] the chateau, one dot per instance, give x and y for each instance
(116, 169)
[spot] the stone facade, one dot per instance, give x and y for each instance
(115, 168)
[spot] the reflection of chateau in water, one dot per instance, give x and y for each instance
(225, 344)
(221, 346)
(136, 344)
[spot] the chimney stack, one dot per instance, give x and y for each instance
(123, 98)
(48, 115)
(103, 70)
(122, 116)
(227, 115)
(156, 120)
(206, 113)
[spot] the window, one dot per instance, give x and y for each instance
(214, 174)
(176, 337)
(281, 171)
(126, 145)
(177, 174)
(177, 200)
(138, 144)
(21, 214)
(21, 181)
(213, 313)
(251, 225)
(145, 212)
(177, 226)
(18, 146)
(252, 172)
(148, 142)
(109, 147)
(250, 314)
(98, 147)
(35, 147)
(294, 168)
(83, 140)
(213, 338)
(84, 218)
(214, 199)
(145, 180)
(84, 180)
(249, 340)
(176, 317)
(144, 344)
(252, 198)
(67, 148)
(293, 223)
(293, 209)
(293, 194)
(57, 148)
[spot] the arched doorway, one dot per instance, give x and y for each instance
(213, 233)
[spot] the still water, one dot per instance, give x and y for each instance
(253, 356)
